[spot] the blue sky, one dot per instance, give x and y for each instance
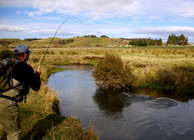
(114, 18)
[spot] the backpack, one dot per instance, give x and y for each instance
(6, 79)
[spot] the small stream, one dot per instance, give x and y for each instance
(136, 115)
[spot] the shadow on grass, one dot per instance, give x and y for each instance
(41, 128)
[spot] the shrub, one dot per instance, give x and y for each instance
(6, 54)
(111, 73)
(177, 78)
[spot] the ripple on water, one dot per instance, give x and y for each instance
(161, 103)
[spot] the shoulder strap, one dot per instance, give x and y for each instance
(19, 99)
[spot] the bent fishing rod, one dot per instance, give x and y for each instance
(54, 37)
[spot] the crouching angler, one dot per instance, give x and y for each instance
(16, 79)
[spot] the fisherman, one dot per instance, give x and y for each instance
(24, 76)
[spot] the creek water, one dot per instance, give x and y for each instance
(134, 115)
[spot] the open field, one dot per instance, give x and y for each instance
(147, 63)
(161, 67)
(144, 62)
(70, 42)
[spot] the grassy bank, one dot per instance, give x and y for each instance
(113, 73)
(40, 120)
(40, 117)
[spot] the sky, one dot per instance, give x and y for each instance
(114, 18)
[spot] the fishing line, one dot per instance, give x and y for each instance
(55, 35)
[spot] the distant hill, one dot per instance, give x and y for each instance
(68, 42)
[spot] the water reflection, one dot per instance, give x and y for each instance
(114, 102)
(135, 115)
(111, 103)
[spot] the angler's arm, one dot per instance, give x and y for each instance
(36, 82)
(25, 74)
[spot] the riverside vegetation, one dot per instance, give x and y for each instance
(169, 68)
(161, 67)
(40, 116)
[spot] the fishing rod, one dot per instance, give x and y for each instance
(54, 37)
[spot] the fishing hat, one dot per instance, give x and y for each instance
(22, 49)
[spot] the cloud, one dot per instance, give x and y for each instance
(95, 9)
(163, 32)
(28, 30)
(180, 8)
(9, 28)
(101, 9)
(185, 10)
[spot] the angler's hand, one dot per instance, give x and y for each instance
(38, 71)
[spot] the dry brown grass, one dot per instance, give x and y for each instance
(111, 73)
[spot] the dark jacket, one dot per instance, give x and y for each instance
(26, 75)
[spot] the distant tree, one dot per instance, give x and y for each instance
(104, 36)
(93, 36)
(31, 39)
(90, 36)
(177, 40)
(146, 42)
(158, 42)
(142, 43)
(172, 40)
(182, 40)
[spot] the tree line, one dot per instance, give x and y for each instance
(94, 36)
(172, 40)
(177, 40)
(146, 42)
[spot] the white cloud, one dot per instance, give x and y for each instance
(95, 9)
(9, 28)
(99, 9)
(180, 8)
(28, 30)
(186, 9)
(163, 32)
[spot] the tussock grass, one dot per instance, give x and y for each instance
(112, 73)
(150, 73)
